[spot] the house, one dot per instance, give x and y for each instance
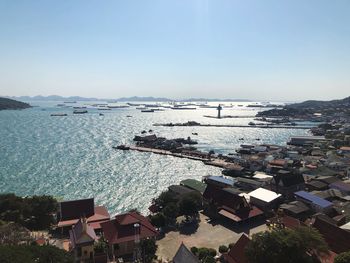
(296, 209)
(286, 183)
(237, 252)
(228, 202)
(316, 203)
(305, 140)
(248, 184)
(184, 255)
(315, 185)
(218, 181)
(69, 213)
(264, 198)
(341, 186)
(336, 237)
(125, 231)
(82, 238)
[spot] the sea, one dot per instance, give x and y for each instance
(71, 157)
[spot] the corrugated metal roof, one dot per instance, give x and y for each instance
(221, 179)
(314, 199)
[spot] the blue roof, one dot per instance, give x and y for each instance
(221, 179)
(314, 199)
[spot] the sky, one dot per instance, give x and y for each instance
(262, 50)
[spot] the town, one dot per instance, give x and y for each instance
(305, 183)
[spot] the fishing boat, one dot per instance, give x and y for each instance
(80, 111)
(59, 114)
(147, 110)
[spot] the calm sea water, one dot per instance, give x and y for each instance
(72, 157)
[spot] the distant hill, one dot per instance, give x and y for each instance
(310, 107)
(315, 104)
(9, 104)
(123, 99)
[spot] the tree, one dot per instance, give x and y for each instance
(34, 212)
(171, 210)
(223, 249)
(101, 246)
(148, 248)
(33, 254)
(158, 220)
(300, 245)
(13, 234)
(342, 258)
(190, 204)
(165, 198)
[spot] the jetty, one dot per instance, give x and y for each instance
(264, 126)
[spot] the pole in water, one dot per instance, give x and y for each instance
(219, 108)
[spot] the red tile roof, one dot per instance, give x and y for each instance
(240, 215)
(237, 252)
(100, 215)
(121, 229)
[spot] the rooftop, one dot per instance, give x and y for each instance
(314, 199)
(264, 195)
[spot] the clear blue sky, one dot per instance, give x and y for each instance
(267, 49)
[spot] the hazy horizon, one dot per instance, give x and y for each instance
(257, 50)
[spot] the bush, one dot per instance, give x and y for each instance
(158, 220)
(223, 249)
(194, 250)
(209, 259)
(34, 212)
(212, 252)
(31, 254)
(342, 258)
(230, 246)
(149, 248)
(203, 253)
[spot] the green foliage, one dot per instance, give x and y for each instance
(231, 245)
(171, 210)
(298, 244)
(190, 204)
(31, 254)
(165, 198)
(158, 220)
(148, 248)
(223, 249)
(342, 258)
(101, 245)
(34, 212)
(209, 259)
(13, 234)
(194, 250)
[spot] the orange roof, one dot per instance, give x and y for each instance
(101, 215)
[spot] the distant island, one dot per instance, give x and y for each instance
(123, 99)
(9, 104)
(311, 107)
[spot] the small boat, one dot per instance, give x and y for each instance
(101, 114)
(79, 111)
(241, 139)
(183, 108)
(118, 107)
(128, 116)
(70, 102)
(194, 133)
(59, 114)
(143, 132)
(61, 105)
(79, 107)
(104, 109)
(147, 110)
